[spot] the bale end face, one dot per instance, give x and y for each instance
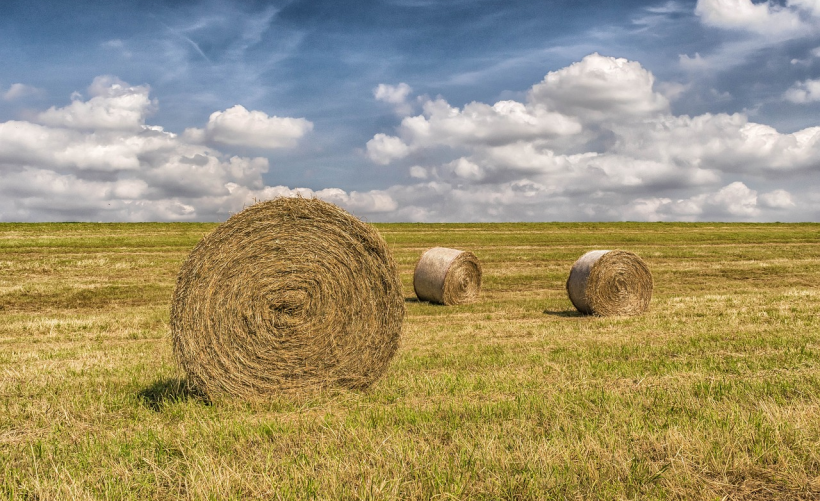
(609, 283)
(447, 276)
(288, 294)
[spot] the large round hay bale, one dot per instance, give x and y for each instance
(447, 276)
(287, 294)
(605, 283)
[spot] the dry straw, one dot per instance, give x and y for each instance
(608, 283)
(447, 276)
(288, 294)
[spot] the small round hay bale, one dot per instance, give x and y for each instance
(447, 276)
(288, 294)
(607, 283)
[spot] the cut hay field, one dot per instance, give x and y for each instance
(712, 394)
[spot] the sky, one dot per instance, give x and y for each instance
(411, 110)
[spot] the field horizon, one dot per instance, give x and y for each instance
(714, 393)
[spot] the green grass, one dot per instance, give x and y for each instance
(712, 394)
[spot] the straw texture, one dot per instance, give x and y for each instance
(606, 283)
(288, 294)
(447, 276)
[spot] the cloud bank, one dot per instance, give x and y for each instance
(594, 140)
(97, 160)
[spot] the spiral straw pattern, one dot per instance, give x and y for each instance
(288, 294)
(609, 283)
(447, 276)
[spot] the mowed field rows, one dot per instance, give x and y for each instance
(712, 394)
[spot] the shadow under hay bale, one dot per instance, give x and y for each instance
(447, 276)
(563, 313)
(288, 294)
(169, 390)
(608, 283)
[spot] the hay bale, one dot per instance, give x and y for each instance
(605, 283)
(290, 293)
(447, 276)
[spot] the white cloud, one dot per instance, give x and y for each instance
(806, 91)
(383, 149)
(765, 18)
(756, 26)
(517, 138)
(239, 127)
(418, 172)
(598, 88)
(618, 153)
(475, 124)
(621, 154)
(25, 143)
(114, 105)
(395, 95)
(19, 91)
(735, 201)
(96, 160)
(777, 199)
(529, 200)
(466, 169)
(811, 6)
(370, 202)
(195, 135)
(722, 143)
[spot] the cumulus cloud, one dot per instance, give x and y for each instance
(723, 143)
(96, 159)
(599, 88)
(114, 105)
(735, 201)
(766, 18)
(807, 91)
(476, 123)
(19, 91)
(237, 126)
(395, 95)
(777, 199)
(383, 149)
(418, 172)
(594, 140)
(618, 154)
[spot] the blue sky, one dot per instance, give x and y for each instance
(411, 110)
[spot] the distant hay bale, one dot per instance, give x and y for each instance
(606, 283)
(447, 276)
(288, 294)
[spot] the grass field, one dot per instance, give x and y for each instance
(712, 394)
